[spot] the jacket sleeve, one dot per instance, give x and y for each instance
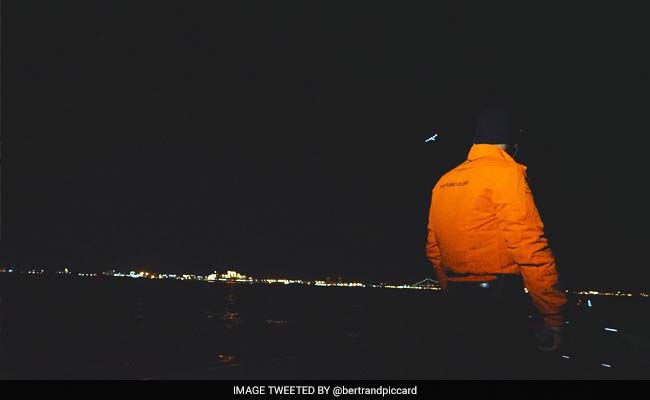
(433, 251)
(523, 231)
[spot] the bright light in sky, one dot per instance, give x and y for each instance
(611, 329)
(432, 138)
(589, 303)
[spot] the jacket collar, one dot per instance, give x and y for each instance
(487, 150)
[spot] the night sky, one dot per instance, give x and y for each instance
(287, 138)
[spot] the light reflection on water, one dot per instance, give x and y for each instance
(231, 316)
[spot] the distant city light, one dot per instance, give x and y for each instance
(589, 303)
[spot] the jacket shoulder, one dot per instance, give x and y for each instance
(449, 174)
(489, 169)
(501, 168)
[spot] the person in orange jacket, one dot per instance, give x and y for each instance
(483, 224)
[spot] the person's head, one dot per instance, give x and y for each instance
(496, 125)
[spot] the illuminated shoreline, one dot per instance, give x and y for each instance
(234, 277)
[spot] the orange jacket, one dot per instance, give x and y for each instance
(483, 221)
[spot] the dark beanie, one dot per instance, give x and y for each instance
(495, 125)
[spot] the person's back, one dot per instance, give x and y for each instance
(466, 220)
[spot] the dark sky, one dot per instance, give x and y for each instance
(287, 138)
